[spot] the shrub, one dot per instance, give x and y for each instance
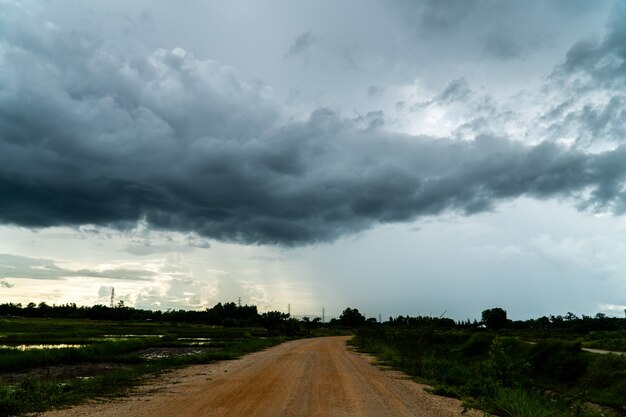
(477, 345)
(558, 360)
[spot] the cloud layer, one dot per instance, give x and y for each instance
(91, 134)
(16, 267)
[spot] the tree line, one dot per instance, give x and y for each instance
(233, 315)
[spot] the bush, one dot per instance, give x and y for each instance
(477, 345)
(506, 364)
(558, 361)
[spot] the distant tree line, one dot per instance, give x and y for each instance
(228, 314)
(422, 321)
(573, 323)
(234, 315)
(496, 318)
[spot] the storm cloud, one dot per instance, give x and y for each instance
(301, 44)
(94, 135)
(592, 79)
(16, 267)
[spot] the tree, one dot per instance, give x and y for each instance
(275, 322)
(543, 322)
(351, 318)
(495, 318)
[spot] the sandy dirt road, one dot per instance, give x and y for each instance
(310, 377)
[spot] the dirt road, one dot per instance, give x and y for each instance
(311, 377)
(603, 352)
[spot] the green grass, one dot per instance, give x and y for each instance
(615, 341)
(510, 402)
(38, 393)
(501, 373)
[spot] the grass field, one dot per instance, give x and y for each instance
(46, 363)
(39, 371)
(503, 373)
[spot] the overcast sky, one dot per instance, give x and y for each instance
(405, 157)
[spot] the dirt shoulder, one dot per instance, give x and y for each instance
(308, 377)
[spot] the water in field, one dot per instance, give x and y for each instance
(196, 341)
(170, 352)
(122, 337)
(39, 347)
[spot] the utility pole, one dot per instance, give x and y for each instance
(289, 309)
(323, 313)
(112, 297)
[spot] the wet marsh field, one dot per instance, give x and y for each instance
(55, 362)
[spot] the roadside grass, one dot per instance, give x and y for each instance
(109, 343)
(510, 402)
(504, 375)
(17, 360)
(615, 341)
(330, 331)
(605, 380)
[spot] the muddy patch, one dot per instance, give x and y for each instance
(61, 372)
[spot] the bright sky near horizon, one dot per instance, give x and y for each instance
(406, 157)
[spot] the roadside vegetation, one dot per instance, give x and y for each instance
(532, 368)
(55, 356)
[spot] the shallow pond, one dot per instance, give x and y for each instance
(39, 347)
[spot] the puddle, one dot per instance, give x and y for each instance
(168, 352)
(39, 347)
(195, 341)
(129, 336)
(199, 339)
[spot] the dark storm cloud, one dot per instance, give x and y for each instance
(13, 266)
(437, 16)
(94, 136)
(457, 90)
(603, 60)
(474, 30)
(374, 91)
(593, 80)
(595, 122)
(301, 44)
(499, 46)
